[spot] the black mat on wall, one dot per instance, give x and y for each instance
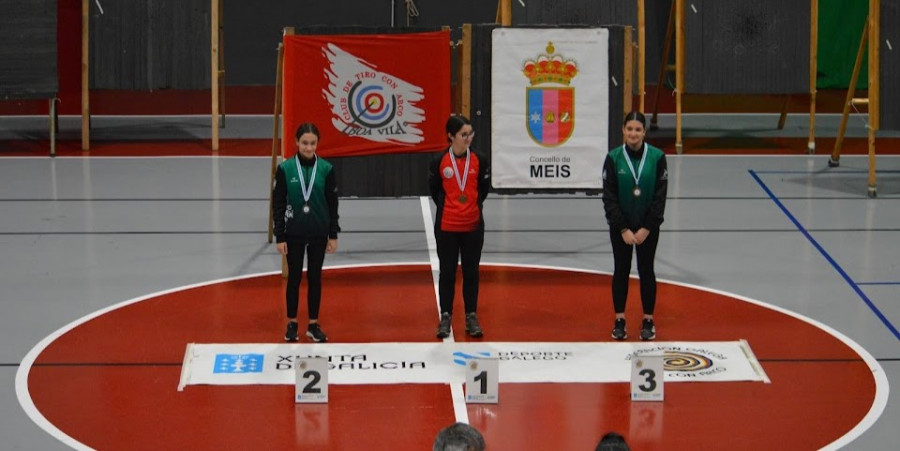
(28, 67)
(747, 47)
(150, 44)
(443, 13)
(889, 98)
(584, 12)
(253, 29)
(605, 12)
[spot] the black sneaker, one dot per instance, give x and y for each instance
(618, 332)
(291, 333)
(315, 333)
(444, 326)
(648, 330)
(472, 326)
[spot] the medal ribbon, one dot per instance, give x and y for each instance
(631, 166)
(307, 192)
(460, 181)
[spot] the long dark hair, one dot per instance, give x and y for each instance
(307, 127)
(635, 116)
(455, 123)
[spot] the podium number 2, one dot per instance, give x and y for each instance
(650, 380)
(482, 377)
(311, 386)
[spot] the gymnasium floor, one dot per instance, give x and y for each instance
(81, 234)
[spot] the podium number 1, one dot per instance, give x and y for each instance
(482, 377)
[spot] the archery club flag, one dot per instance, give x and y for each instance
(368, 94)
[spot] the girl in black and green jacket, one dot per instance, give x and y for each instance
(305, 212)
(635, 180)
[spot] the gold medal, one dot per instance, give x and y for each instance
(463, 198)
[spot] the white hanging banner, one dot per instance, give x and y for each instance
(549, 107)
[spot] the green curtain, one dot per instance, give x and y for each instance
(840, 29)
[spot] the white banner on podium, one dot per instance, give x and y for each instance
(444, 363)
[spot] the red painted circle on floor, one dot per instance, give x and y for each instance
(110, 382)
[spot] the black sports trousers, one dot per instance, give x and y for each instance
(453, 247)
(646, 254)
(314, 247)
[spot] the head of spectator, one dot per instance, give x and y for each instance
(459, 437)
(612, 441)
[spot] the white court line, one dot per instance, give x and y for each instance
(185, 363)
(425, 202)
(456, 390)
(882, 387)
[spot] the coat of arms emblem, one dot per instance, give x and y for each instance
(550, 101)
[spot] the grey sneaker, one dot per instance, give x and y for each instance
(472, 326)
(618, 332)
(444, 326)
(315, 332)
(648, 330)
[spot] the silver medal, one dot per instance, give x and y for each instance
(306, 190)
(637, 191)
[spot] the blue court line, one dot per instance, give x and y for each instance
(821, 250)
(878, 283)
(824, 171)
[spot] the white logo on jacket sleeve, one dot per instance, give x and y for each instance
(370, 104)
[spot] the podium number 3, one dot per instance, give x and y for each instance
(311, 386)
(649, 380)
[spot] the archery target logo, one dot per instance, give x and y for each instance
(371, 104)
(685, 361)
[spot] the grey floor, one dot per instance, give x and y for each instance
(80, 234)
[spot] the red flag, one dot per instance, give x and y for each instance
(368, 94)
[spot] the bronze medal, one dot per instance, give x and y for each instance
(460, 181)
(636, 175)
